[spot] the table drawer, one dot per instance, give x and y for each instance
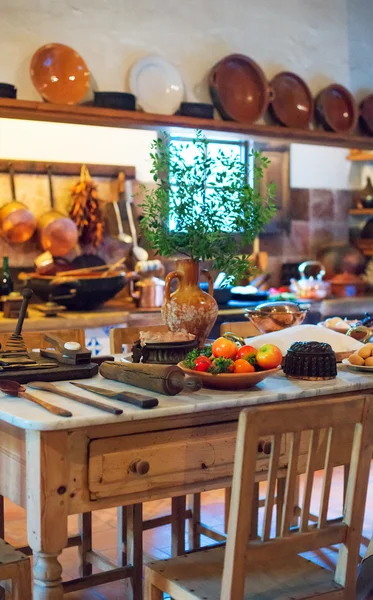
(163, 459)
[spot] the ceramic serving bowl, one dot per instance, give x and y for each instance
(336, 109)
(239, 89)
(230, 381)
(59, 74)
(275, 316)
(292, 102)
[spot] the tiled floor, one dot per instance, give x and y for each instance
(157, 541)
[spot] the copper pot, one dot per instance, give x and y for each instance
(17, 223)
(58, 234)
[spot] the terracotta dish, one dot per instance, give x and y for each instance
(366, 114)
(239, 89)
(292, 102)
(59, 74)
(336, 109)
(230, 381)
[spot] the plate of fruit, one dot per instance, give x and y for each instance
(227, 365)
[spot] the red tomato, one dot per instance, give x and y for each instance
(202, 363)
(247, 352)
(242, 366)
(225, 348)
(269, 356)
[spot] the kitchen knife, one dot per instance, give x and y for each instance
(136, 399)
(50, 387)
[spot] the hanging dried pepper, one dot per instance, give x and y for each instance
(85, 210)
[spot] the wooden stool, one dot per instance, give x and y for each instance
(15, 566)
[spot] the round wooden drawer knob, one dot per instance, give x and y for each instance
(140, 467)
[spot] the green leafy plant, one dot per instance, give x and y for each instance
(214, 211)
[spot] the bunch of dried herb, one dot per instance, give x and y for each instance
(85, 210)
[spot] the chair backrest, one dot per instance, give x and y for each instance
(244, 329)
(127, 336)
(313, 432)
(36, 339)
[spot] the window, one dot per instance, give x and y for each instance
(236, 148)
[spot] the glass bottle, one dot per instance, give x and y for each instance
(6, 283)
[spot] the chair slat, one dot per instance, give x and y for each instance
(291, 483)
(327, 479)
(271, 486)
(310, 472)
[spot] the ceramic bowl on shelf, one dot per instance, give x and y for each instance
(239, 89)
(275, 316)
(59, 74)
(336, 109)
(157, 85)
(292, 103)
(366, 114)
(230, 381)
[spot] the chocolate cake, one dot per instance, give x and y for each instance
(310, 360)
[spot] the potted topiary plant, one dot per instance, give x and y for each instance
(203, 209)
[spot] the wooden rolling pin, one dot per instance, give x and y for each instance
(165, 379)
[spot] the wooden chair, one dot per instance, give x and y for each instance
(244, 329)
(272, 567)
(15, 567)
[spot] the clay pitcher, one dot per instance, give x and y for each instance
(189, 308)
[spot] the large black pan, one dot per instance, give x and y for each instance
(83, 293)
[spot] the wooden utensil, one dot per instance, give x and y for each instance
(136, 399)
(165, 379)
(50, 387)
(16, 389)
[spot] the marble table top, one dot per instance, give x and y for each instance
(277, 388)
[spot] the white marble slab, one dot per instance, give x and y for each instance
(277, 388)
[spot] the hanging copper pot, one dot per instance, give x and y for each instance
(17, 223)
(57, 233)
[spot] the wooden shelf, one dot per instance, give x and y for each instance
(42, 167)
(361, 211)
(91, 115)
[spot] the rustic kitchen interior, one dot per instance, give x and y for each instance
(186, 325)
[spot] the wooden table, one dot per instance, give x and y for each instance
(55, 467)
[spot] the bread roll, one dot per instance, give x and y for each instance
(365, 352)
(356, 359)
(369, 362)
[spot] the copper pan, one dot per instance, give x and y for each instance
(17, 223)
(58, 234)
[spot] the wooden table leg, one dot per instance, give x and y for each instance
(178, 508)
(194, 503)
(134, 551)
(122, 535)
(85, 532)
(227, 507)
(47, 508)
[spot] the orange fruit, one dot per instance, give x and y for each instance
(242, 366)
(225, 348)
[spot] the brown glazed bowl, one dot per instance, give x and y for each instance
(366, 114)
(59, 74)
(239, 89)
(336, 109)
(292, 103)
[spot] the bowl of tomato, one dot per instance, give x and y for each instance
(227, 365)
